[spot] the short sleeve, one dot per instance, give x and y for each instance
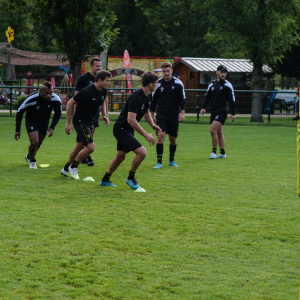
(81, 96)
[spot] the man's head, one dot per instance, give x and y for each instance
(150, 78)
(167, 70)
(95, 65)
(103, 79)
(221, 72)
(46, 91)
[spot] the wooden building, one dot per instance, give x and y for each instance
(197, 73)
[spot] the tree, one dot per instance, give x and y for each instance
(261, 30)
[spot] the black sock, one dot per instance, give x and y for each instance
(106, 177)
(29, 157)
(74, 164)
(172, 152)
(214, 150)
(131, 175)
(222, 151)
(66, 167)
(32, 160)
(159, 152)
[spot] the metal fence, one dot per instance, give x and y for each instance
(279, 110)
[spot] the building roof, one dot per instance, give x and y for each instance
(211, 64)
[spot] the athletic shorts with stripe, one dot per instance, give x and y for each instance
(84, 134)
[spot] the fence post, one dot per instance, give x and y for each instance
(11, 102)
(198, 105)
(269, 107)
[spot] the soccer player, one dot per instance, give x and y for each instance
(168, 95)
(88, 101)
(137, 106)
(219, 91)
(83, 81)
(38, 107)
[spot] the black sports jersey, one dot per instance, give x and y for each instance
(137, 103)
(167, 96)
(219, 93)
(84, 80)
(88, 101)
(38, 110)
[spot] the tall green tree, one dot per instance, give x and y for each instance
(261, 30)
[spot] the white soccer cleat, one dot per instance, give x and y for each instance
(73, 172)
(221, 156)
(213, 155)
(28, 160)
(65, 173)
(32, 165)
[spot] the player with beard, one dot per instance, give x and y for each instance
(219, 92)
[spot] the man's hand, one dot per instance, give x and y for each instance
(149, 137)
(50, 131)
(153, 118)
(17, 135)
(181, 117)
(106, 121)
(232, 117)
(157, 129)
(68, 128)
(202, 111)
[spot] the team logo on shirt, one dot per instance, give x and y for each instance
(37, 108)
(102, 97)
(31, 128)
(221, 87)
(94, 99)
(161, 89)
(143, 106)
(212, 88)
(91, 82)
(173, 87)
(88, 136)
(48, 106)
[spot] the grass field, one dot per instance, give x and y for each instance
(210, 229)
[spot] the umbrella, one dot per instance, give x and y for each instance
(53, 82)
(28, 83)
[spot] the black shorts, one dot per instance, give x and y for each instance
(168, 124)
(84, 134)
(218, 117)
(33, 126)
(126, 140)
(96, 119)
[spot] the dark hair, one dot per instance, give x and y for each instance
(47, 84)
(149, 77)
(102, 75)
(94, 59)
(166, 65)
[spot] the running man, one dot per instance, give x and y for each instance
(83, 81)
(219, 91)
(88, 101)
(38, 107)
(168, 96)
(136, 107)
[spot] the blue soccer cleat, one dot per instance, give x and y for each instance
(107, 183)
(158, 166)
(173, 164)
(133, 183)
(221, 156)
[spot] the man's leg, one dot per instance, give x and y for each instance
(173, 146)
(214, 128)
(89, 161)
(160, 149)
(34, 144)
(113, 166)
(221, 141)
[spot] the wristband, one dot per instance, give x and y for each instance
(68, 123)
(105, 115)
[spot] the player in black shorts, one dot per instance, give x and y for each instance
(88, 101)
(219, 91)
(168, 95)
(38, 107)
(83, 81)
(136, 107)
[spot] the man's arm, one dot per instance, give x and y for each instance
(153, 103)
(104, 114)
(148, 118)
(56, 117)
(69, 108)
(19, 118)
(137, 127)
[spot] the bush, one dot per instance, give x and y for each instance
(20, 101)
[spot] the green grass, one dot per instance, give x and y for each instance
(210, 229)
